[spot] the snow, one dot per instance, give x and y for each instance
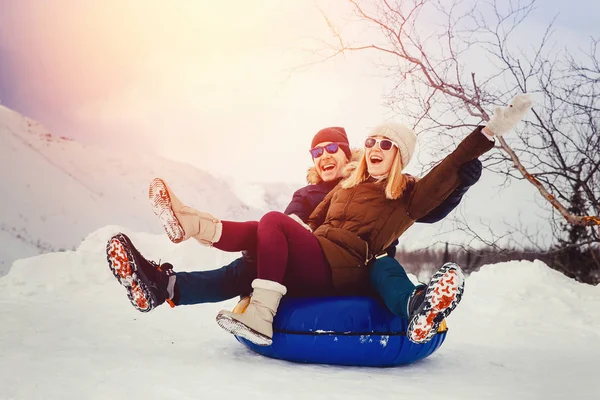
(56, 190)
(67, 330)
(523, 331)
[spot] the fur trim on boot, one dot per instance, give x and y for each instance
(256, 322)
(180, 221)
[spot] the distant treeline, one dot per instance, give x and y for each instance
(581, 265)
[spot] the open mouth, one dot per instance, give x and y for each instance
(327, 167)
(375, 159)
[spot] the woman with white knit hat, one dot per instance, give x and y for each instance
(355, 223)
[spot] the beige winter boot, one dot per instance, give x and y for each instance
(256, 322)
(180, 221)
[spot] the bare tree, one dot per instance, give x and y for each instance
(453, 60)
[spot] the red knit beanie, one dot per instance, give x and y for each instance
(333, 134)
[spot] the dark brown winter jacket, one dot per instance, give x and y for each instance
(354, 225)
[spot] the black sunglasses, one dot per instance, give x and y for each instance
(331, 148)
(384, 144)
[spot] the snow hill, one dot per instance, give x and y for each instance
(56, 190)
(67, 331)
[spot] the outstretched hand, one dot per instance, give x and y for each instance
(506, 118)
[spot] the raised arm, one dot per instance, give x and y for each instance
(469, 173)
(442, 180)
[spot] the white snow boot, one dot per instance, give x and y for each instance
(442, 295)
(180, 221)
(256, 322)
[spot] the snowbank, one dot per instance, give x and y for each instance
(67, 330)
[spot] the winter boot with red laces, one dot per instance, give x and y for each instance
(148, 284)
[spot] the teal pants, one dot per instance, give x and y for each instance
(390, 281)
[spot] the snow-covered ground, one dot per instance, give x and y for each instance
(67, 331)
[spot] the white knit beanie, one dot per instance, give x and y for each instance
(400, 134)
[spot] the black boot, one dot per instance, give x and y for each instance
(416, 299)
(148, 284)
(442, 295)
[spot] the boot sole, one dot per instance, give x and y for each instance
(163, 209)
(441, 298)
(239, 329)
(122, 264)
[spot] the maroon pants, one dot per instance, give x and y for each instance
(286, 252)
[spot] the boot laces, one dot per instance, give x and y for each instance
(166, 267)
(416, 299)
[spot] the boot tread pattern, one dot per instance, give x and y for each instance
(163, 208)
(444, 292)
(122, 265)
(239, 329)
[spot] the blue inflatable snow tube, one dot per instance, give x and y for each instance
(357, 331)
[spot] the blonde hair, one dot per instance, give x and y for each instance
(396, 180)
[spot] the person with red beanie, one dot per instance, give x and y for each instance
(289, 257)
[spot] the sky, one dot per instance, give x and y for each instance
(215, 84)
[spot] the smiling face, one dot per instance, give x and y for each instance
(330, 166)
(379, 162)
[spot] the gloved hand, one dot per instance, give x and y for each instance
(470, 172)
(299, 220)
(506, 118)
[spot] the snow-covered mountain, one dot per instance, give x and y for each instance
(68, 331)
(55, 191)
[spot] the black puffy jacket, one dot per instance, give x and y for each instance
(306, 199)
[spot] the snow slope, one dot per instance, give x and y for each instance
(56, 190)
(67, 330)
